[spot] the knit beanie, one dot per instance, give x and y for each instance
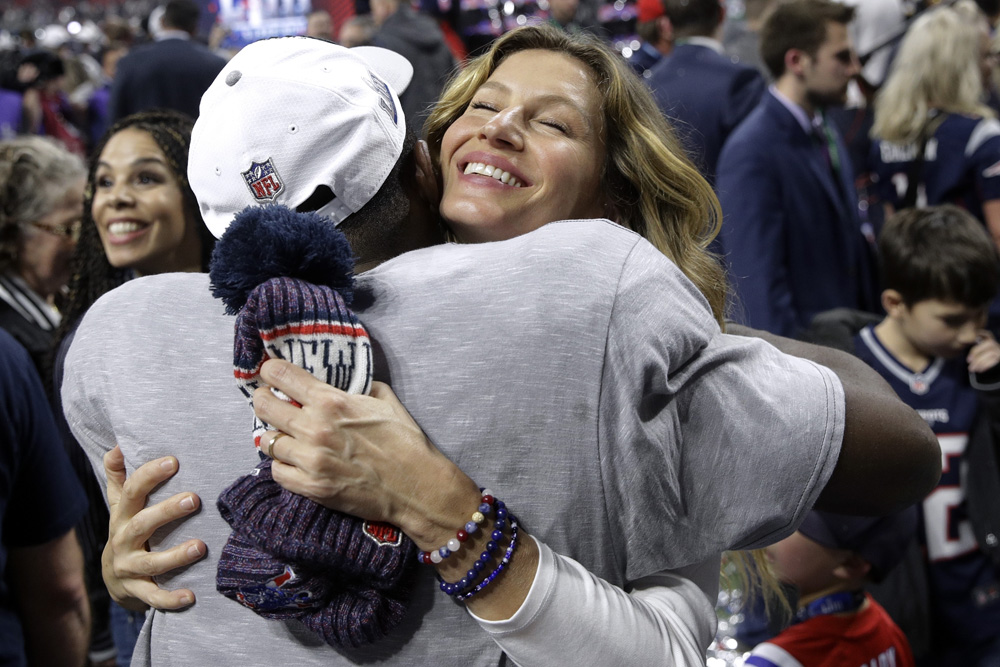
(288, 278)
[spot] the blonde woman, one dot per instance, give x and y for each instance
(934, 98)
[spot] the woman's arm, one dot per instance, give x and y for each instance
(889, 458)
(366, 456)
(127, 564)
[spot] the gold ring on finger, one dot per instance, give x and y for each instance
(270, 444)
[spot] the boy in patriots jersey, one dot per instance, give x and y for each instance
(827, 562)
(940, 273)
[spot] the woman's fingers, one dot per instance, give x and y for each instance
(136, 530)
(114, 471)
(141, 483)
(293, 381)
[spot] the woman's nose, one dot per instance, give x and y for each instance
(505, 129)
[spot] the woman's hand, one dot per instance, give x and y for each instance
(127, 564)
(366, 456)
(362, 455)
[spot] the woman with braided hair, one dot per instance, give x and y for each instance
(139, 218)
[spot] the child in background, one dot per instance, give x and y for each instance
(940, 272)
(828, 561)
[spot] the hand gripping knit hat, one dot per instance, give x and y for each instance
(300, 122)
(288, 278)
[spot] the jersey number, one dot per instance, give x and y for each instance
(949, 532)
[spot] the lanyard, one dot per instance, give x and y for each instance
(836, 603)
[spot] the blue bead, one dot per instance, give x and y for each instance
(491, 546)
(499, 524)
(485, 508)
(485, 556)
(444, 551)
(497, 535)
(444, 586)
(471, 574)
(478, 566)
(501, 512)
(471, 527)
(463, 584)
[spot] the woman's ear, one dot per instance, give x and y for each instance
(428, 179)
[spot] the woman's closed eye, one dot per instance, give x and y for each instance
(556, 125)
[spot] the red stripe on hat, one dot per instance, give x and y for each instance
(316, 328)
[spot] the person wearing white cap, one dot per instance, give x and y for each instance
(573, 417)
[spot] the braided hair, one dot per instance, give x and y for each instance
(92, 274)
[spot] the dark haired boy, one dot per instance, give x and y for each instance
(940, 273)
(828, 561)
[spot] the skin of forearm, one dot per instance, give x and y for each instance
(442, 513)
(52, 601)
(889, 458)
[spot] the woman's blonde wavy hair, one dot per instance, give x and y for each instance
(652, 187)
(936, 68)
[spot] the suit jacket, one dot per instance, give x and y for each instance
(706, 96)
(169, 74)
(791, 232)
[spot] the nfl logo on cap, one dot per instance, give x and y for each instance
(263, 180)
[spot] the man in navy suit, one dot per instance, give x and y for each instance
(172, 72)
(702, 91)
(791, 230)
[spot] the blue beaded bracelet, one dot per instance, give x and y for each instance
(486, 504)
(484, 558)
(462, 597)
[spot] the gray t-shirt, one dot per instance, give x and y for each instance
(574, 370)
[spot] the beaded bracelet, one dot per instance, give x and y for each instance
(487, 504)
(462, 597)
(484, 558)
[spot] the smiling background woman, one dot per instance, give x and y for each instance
(139, 218)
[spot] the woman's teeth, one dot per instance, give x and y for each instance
(122, 228)
(492, 172)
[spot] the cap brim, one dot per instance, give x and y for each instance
(388, 65)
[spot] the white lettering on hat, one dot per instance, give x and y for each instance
(384, 98)
(263, 181)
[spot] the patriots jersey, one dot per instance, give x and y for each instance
(960, 575)
(961, 165)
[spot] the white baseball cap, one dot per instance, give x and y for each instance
(296, 121)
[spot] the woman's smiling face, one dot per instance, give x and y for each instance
(528, 150)
(138, 207)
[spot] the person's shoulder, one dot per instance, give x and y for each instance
(574, 237)
(164, 295)
(12, 353)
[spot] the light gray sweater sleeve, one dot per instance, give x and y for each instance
(571, 617)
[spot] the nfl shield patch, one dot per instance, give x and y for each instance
(263, 180)
(384, 534)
